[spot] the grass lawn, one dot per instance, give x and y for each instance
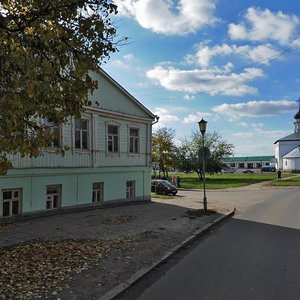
(294, 181)
(153, 195)
(225, 181)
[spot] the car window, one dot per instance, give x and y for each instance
(166, 183)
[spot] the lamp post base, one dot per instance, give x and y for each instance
(205, 204)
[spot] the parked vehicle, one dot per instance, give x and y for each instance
(268, 169)
(228, 171)
(163, 187)
(248, 171)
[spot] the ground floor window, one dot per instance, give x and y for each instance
(97, 192)
(130, 189)
(53, 198)
(11, 202)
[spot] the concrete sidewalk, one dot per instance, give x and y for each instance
(145, 234)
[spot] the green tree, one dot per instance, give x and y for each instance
(163, 149)
(47, 49)
(190, 148)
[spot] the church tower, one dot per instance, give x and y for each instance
(287, 149)
(297, 119)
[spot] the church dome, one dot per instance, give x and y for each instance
(297, 115)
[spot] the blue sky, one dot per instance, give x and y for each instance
(236, 63)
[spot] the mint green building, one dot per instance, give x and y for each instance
(108, 161)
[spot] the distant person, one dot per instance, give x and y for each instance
(174, 180)
(279, 174)
(178, 181)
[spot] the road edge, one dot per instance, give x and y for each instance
(120, 288)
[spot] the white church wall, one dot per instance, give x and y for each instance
(278, 159)
(282, 148)
(291, 164)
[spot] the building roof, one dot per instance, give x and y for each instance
(295, 153)
(249, 158)
(290, 138)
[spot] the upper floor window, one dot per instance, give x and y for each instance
(113, 138)
(53, 129)
(133, 140)
(81, 134)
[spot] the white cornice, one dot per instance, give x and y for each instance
(109, 113)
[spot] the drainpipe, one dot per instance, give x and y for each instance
(156, 118)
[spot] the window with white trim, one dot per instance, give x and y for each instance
(97, 192)
(130, 189)
(81, 134)
(55, 130)
(53, 196)
(11, 202)
(133, 140)
(113, 139)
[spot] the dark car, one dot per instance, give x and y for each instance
(163, 187)
(248, 171)
(268, 169)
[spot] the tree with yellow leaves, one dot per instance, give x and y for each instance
(47, 48)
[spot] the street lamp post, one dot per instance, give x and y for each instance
(202, 126)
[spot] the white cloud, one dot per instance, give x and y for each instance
(205, 54)
(254, 108)
(194, 118)
(213, 81)
(128, 56)
(243, 124)
(123, 63)
(262, 25)
(165, 17)
(243, 134)
(165, 116)
(189, 97)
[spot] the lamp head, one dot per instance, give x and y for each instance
(202, 126)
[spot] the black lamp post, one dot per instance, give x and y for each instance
(202, 126)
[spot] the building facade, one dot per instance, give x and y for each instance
(287, 149)
(108, 161)
(248, 162)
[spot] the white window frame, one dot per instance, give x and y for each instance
(51, 127)
(81, 132)
(97, 195)
(51, 196)
(110, 137)
(134, 141)
(14, 198)
(130, 189)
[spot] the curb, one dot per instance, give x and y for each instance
(120, 288)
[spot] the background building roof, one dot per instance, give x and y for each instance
(249, 158)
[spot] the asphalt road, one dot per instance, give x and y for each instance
(255, 255)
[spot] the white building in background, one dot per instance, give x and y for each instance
(287, 149)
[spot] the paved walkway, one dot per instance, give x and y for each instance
(150, 231)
